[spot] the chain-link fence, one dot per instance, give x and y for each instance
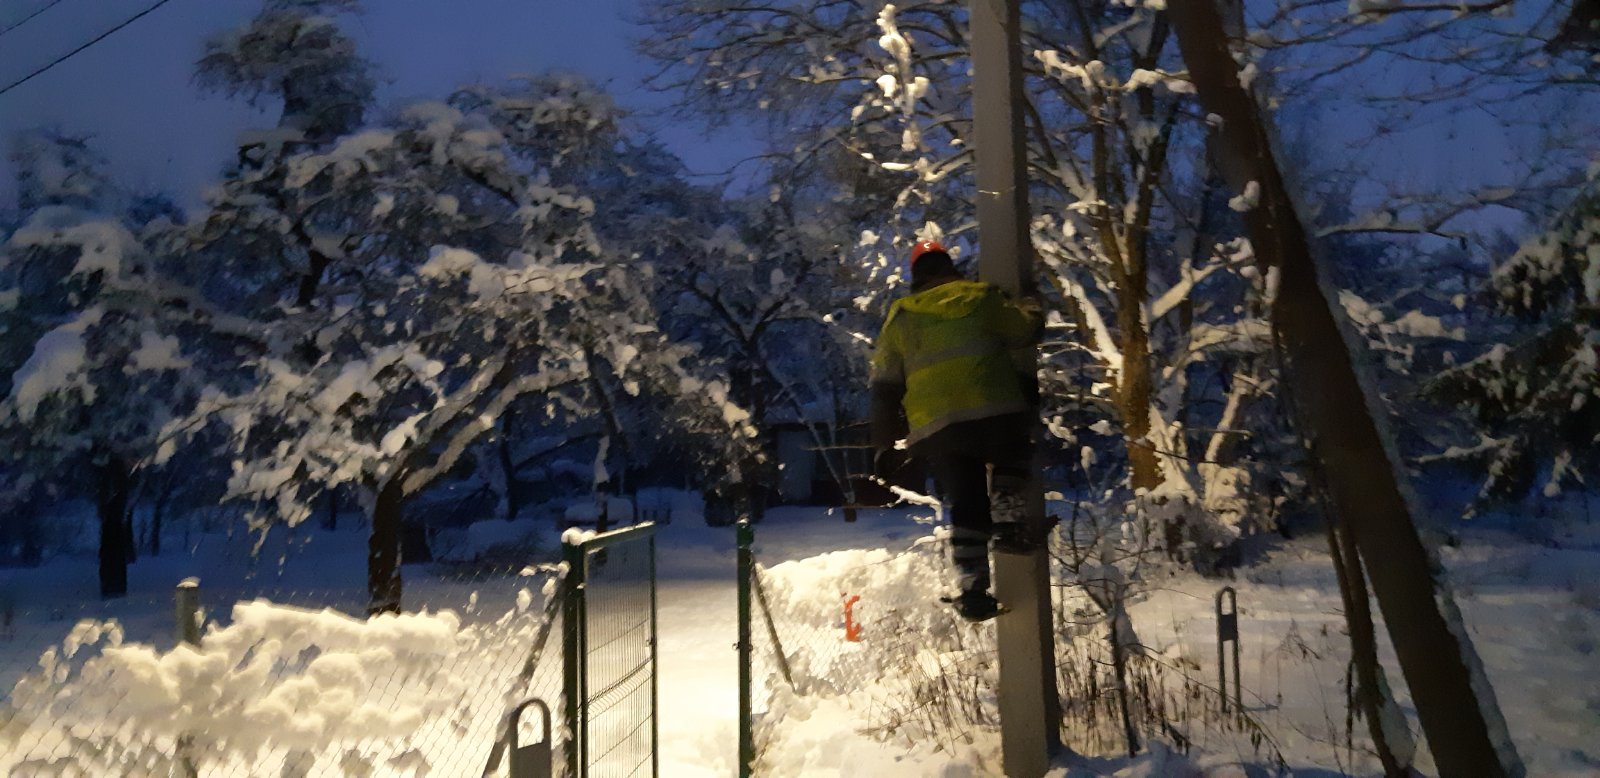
(283, 681)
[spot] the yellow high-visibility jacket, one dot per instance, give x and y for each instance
(946, 355)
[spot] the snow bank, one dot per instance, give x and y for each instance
(886, 670)
(619, 510)
(277, 687)
(482, 538)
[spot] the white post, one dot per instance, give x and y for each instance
(187, 598)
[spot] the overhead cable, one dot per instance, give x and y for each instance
(29, 17)
(70, 54)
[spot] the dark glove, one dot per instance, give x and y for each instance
(887, 462)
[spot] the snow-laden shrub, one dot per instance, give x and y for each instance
(278, 691)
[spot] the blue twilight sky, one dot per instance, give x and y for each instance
(135, 94)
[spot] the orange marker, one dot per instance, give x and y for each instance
(852, 630)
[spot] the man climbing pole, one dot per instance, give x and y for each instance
(944, 377)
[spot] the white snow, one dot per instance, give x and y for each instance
(102, 244)
(157, 352)
(1525, 605)
(353, 154)
(1248, 199)
(57, 364)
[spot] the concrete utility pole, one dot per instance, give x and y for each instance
(1030, 711)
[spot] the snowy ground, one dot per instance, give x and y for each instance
(1534, 610)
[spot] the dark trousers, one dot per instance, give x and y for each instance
(961, 458)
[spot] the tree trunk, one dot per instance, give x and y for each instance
(1133, 389)
(129, 534)
(32, 554)
(113, 482)
(1372, 690)
(508, 467)
(383, 548)
(158, 513)
(330, 519)
(1459, 714)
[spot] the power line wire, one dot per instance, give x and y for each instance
(70, 54)
(29, 17)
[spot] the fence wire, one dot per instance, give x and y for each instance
(619, 660)
(285, 682)
(915, 673)
(871, 628)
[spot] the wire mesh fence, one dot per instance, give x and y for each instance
(866, 629)
(284, 681)
(868, 626)
(611, 654)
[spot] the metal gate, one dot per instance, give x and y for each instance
(609, 636)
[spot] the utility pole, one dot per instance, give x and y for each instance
(1030, 710)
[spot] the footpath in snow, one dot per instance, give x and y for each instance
(698, 624)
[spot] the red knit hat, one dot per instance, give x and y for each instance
(926, 247)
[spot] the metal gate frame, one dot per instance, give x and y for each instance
(580, 558)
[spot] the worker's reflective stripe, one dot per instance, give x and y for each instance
(978, 348)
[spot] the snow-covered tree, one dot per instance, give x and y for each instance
(1537, 394)
(90, 359)
(1150, 285)
(438, 277)
(294, 53)
(753, 291)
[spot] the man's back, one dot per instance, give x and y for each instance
(949, 348)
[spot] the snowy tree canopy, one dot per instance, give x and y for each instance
(1158, 309)
(1537, 396)
(294, 52)
(92, 360)
(456, 279)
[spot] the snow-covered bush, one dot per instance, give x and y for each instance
(915, 672)
(904, 668)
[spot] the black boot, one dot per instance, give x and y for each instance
(977, 605)
(1014, 539)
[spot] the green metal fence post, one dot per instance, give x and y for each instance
(572, 655)
(746, 564)
(655, 685)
